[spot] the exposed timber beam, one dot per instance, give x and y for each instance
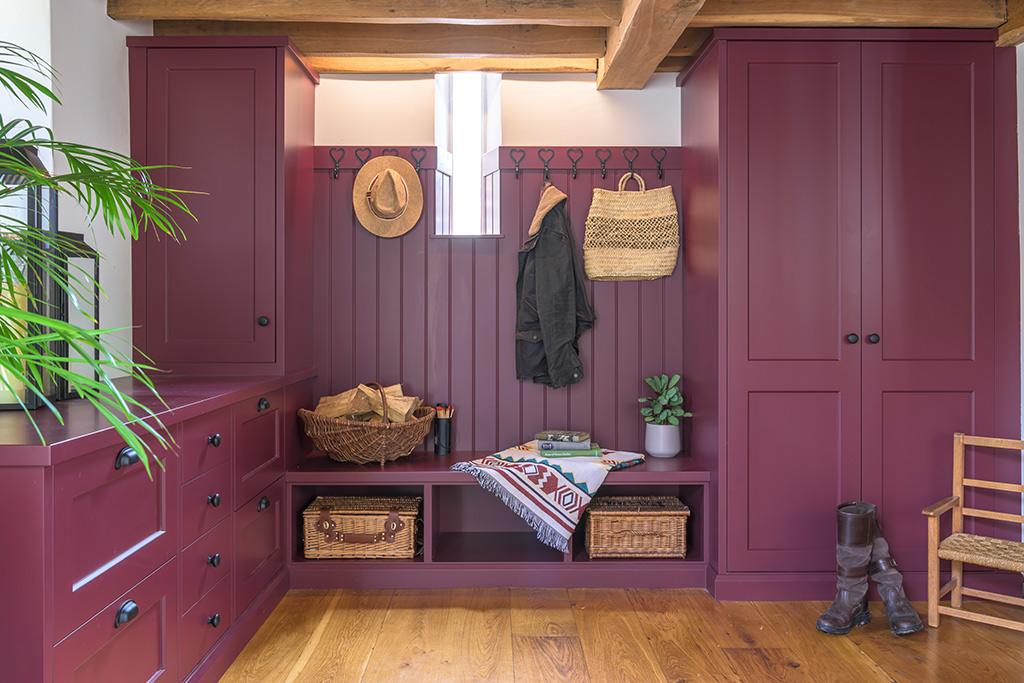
(636, 46)
(1012, 32)
(689, 42)
(561, 12)
(904, 13)
(409, 40)
(413, 65)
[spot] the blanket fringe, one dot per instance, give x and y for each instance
(545, 533)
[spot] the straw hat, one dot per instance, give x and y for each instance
(387, 196)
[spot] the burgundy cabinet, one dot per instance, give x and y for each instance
(259, 553)
(840, 208)
(233, 122)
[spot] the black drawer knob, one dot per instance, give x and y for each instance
(214, 440)
(125, 457)
(263, 404)
(214, 621)
(213, 560)
(263, 321)
(126, 612)
(873, 339)
(213, 500)
(852, 338)
(263, 504)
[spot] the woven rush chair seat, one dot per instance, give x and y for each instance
(997, 553)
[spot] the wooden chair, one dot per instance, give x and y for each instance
(959, 547)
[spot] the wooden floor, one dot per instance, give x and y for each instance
(604, 636)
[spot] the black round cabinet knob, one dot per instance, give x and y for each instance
(213, 560)
(213, 500)
(263, 320)
(214, 440)
(873, 338)
(852, 338)
(214, 621)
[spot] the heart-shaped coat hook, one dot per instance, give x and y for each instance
(603, 159)
(574, 159)
(389, 152)
(362, 161)
(336, 159)
(630, 154)
(517, 160)
(418, 158)
(659, 154)
(546, 159)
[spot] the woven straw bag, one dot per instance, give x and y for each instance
(631, 235)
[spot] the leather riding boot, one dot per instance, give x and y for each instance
(856, 526)
(903, 618)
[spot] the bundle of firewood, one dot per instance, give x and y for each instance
(363, 404)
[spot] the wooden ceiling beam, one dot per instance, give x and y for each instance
(426, 65)
(1012, 32)
(408, 40)
(636, 46)
(841, 13)
(560, 12)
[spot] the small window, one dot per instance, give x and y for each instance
(467, 119)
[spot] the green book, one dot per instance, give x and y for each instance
(592, 451)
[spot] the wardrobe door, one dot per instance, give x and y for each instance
(928, 274)
(793, 242)
(212, 117)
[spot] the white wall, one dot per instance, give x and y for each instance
(375, 110)
(569, 110)
(26, 24)
(89, 54)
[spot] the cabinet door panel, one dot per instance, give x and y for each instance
(258, 544)
(793, 285)
(928, 273)
(213, 118)
(258, 459)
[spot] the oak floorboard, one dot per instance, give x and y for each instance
(735, 624)
(411, 644)
(828, 658)
(351, 628)
(549, 659)
(675, 625)
(280, 641)
(614, 643)
(542, 612)
(958, 650)
(479, 635)
(767, 664)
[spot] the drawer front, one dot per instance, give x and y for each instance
(205, 562)
(258, 543)
(203, 625)
(206, 442)
(144, 649)
(205, 502)
(258, 457)
(111, 529)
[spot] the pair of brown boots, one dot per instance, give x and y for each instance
(860, 550)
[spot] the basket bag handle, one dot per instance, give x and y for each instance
(328, 527)
(383, 401)
(625, 178)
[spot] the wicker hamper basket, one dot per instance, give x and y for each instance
(342, 527)
(636, 526)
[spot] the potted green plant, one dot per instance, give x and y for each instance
(662, 416)
(112, 189)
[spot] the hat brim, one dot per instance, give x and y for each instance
(387, 227)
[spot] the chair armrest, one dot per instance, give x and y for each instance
(936, 509)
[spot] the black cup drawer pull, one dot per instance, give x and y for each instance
(125, 457)
(214, 621)
(263, 504)
(213, 500)
(214, 440)
(213, 560)
(263, 404)
(128, 611)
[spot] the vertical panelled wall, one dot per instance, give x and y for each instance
(437, 312)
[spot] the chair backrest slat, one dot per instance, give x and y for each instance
(996, 485)
(989, 514)
(992, 442)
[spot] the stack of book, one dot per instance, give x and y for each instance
(560, 443)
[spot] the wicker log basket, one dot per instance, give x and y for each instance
(366, 442)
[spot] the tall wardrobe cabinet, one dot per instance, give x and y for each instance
(841, 262)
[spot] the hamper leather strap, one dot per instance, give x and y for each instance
(329, 528)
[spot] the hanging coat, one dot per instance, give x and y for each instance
(552, 309)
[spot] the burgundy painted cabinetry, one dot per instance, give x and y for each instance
(841, 271)
(233, 120)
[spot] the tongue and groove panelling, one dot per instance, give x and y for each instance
(437, 312)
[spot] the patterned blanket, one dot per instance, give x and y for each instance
(550, 493)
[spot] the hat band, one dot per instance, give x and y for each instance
(369, 201)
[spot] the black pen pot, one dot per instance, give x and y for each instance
(442, 436)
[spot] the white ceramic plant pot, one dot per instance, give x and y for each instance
(662, 441)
